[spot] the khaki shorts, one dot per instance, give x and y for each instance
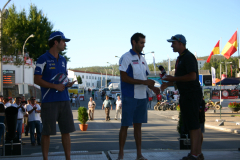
(52, 112)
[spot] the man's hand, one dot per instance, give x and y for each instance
(164, 86)
(150, 83)
(60, 87)
(169, 78)
(156, 90)
(70, 84)
(34, 108)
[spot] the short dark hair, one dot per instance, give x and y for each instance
(18, 98)
(6, 99)
(52, 41)
(136, 36)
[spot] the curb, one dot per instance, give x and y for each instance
(214, 127)
(223, 129)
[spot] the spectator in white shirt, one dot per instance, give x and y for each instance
(91, 107)
(34, 111)
(21, 111)
(118, 108)
(7, 102)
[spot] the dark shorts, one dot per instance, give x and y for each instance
(52, 112)
(190, 104)
(133, 111)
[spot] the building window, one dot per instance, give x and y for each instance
(92, 84)
(92, 77)
(86, 77)
(89, 77)
(95, 78)
(82, 76)
(200, 62)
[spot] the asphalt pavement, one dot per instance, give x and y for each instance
(159, 133)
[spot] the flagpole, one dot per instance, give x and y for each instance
(220, 76)
(237, 42)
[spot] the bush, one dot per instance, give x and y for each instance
(82, 115)
(234, 105)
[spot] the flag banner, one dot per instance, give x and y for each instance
(215, 50)
(213, 71)
(231, 46)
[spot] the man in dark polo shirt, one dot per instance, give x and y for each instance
(186, 79)
(55, 99)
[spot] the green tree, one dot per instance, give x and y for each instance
(79, 79)
(18, 26)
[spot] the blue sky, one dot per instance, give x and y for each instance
(101, 29)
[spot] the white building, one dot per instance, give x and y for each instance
(16, 78)
(92, 79)
(200, 63)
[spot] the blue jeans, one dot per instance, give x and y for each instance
(33, 125)
(19, 128)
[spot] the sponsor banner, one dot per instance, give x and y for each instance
(201, 79)
(226, 94)
(213, 74)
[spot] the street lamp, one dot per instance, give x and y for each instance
(85, 78)
(106, 78)
(112, 67)
(101, 79)
(23, 59)
(1, 73)
(147, 53)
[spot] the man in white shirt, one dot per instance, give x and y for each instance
(118, 108)
(7, 103)
(133, 72)
(34, 111)
(91, 107)
(21, 112)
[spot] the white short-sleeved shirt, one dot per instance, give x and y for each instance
(135, 68)
(118, 104)
(34, 116)
(73, 100)
(8, 104)
(175, 97)
(20, 112)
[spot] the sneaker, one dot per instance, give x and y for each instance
(191, 157)
(186, 157)
(201, 156)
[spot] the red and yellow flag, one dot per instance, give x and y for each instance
(230, 47)
(214, 51)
